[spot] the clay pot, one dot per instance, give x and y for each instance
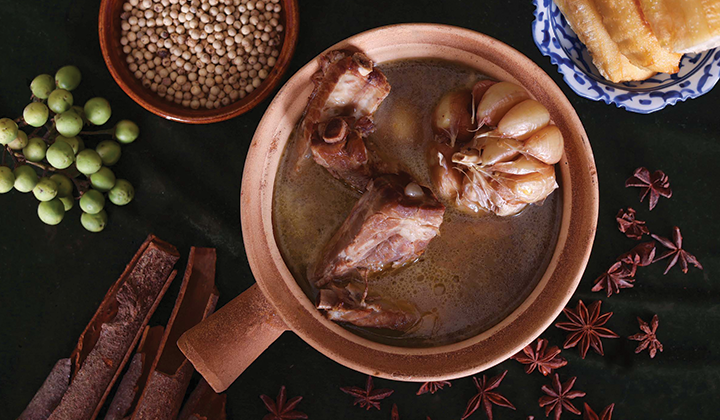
(225, 344)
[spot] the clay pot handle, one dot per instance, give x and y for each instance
(228, 341)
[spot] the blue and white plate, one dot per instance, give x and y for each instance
(698, 72)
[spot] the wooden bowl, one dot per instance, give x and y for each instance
(223, 345)
(109, 31)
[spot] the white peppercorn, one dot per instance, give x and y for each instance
(201, 53)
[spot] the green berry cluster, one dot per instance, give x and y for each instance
(53, 162)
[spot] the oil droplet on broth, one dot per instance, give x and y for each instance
(471, 276)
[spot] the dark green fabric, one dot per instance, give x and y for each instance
(188, 179)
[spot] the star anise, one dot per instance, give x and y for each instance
(606, 414)
(394, 415)
(656, 185)
(558, 397)
(641, 255)
(486, 398)
(619, 276)
(648, 339)
(676, 252)
(586, 326)
(367, 397)
(282, 409)
(629, 225)
(432, 387)
(538, 355)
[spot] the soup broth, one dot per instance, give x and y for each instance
(475, 273)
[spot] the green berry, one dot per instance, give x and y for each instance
(75, 142)
(60, 155)
(46, 189)
(35, 149)
(94, 222)
(51, 212)
(68, 202)
(126, 131)
(103, 180)
(109, 151)
(25, 178)
(8, 130)
(68, 77)
(69, 123)
(42, 85)
(97, 110)
(20, 141)
(122, 193)
(36, 114)
(7, 179)
(60, 100)
(65, 186)
(88, 162)
(92, 202)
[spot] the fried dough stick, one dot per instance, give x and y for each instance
(585, 20)
(627, 26)
(684, 26)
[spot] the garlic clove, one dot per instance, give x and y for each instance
(445, 178)
(523, 120)
(479, 90)
(497, 101)
(521, 166)
(451, 118)
(531, 188)
(545, 145)
(497, 150)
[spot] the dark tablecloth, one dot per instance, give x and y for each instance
(188, 179)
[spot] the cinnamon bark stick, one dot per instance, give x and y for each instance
(49, 395)
(107, 342)
(170, 375)
(204, 404)
(136, 376)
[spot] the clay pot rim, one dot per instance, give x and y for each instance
(530, 319)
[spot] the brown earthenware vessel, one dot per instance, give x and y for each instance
(229, 341)
(109, 32)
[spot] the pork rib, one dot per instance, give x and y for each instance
(347, 85)
(338, 146)
(391, 225)
(349, 304)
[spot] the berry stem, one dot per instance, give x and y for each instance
(41, 166)
(9, 152)
(19, 157)
(51, 131)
